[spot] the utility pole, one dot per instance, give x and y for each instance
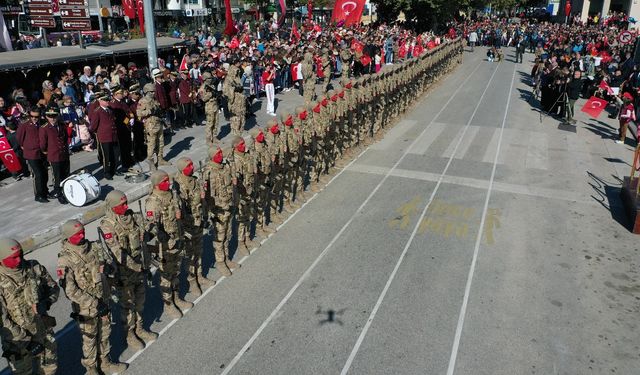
(99, 16)
(150, 30)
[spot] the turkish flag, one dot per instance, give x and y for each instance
(348, 11)
(129, 8)
(8, 157)
(567, 8)
(184, 64)
(605, 86)
(140, 15)
(594, 106)
(229, 29)
(295, 34)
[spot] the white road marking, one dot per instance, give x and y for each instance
(537, 151)
(467, 139)
(427, 138)
(306, 274)
(467, 289)
(374, 311)
(394, 134)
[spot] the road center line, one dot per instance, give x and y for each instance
(467, 289)
(374, 311)
(306, 274)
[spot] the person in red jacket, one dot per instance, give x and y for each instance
(104, 126)
(162, 95)
(123, 118)
(29, 140)
(172, 92)
(54, 144)
(185, 96)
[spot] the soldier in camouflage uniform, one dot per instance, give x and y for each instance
(327, 70)
(83, 270)
(148, 112)
(164, 221)
(207, 92)
(345, 58)
(123, 233)
(27, 291)
(302, 130)
(276, 145)
(235, 99)
(244, 172)
(317, 130)
(309, 78)
(192, 195)
(219, 184)
(262, 160)
(291, 142)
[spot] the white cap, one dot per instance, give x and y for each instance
(155, 72)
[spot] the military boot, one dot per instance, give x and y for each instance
(223, 269)
(275, 219)
(252, 243)
(109, 367)
(152, 164)
(231, 264)
(243, 249)
(171, 310)
(315, 188)
(204, 282)
(146, 336)
(133, 342)
(93, 370)
(181, 303)
(161, 161)
(194, 287)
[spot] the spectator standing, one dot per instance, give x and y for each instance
(55, 146)
(268, 77)
(104, 126)
(29, 140)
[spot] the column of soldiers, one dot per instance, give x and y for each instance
(259, 178)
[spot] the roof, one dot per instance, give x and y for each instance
(33, 58)
(40, 57)
(138, 45)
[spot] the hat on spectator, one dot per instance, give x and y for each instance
(116, 89)
(52, 111)
(104, 96)
(156, 72)
(627, 96)
(135, 87)
(175, 74)
(149, 87)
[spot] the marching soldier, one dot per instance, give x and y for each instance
(148, 112)
(345, 58)
(27, 291)
(82, 272)
(302, 132)
(291, 143)
(326, 70)
(192, 195)
(244, 172)
(309, 78)
(219, 183)
(207, 93)
(123, 232)
(262, 161)
(163, 221)
(275, 141)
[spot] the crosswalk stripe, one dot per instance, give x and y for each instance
(537, 151)
(490, 154)
(427, 138)
(394, 134)
(464, 145)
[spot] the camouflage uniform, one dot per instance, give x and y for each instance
(244, 173)
(326, 70)
(309, 78)
(302, 129)
(148, 112)
(83, 269)
(163, 220)
(192, 196)
(210, 108)
(276, 144)
(345, 58)
(26, 293)
(219, 182)
(262, 160)
(291, 158)
(235, 100)
(124, 234)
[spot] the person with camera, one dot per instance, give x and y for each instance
(27, 292)
(84, 276)
(573, 89)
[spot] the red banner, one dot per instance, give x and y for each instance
(129, 8)
(229, 29)
(594, 106)
(8, 157)
(310, 10)
(283, 11)
(348, 11)
(605, 86)
(140, 15)
(295, 34)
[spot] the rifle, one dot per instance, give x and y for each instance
(146, 257)
(109, 269)
(205, 224)
(175, 190)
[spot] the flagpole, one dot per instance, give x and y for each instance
(150, 30)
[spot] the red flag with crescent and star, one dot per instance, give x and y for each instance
(140, 15)
(8, 157)
(129, 8)
(594, 106)
(230, 29)
(348, 11)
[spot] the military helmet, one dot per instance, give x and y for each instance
(235, 140)
(183, 162)
(158, 176)
(300, 109)
(115, 198)
(213, 149)
(149, 87)
(284, 115)
(255, 131)
(8, 246)
(271, 123)
(71, 227)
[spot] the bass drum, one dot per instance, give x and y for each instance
(80, 189)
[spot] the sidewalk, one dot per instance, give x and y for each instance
(36, 224)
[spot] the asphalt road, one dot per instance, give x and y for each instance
(473, 239)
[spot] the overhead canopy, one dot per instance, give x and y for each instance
(139, 45)
(41, 57)
(38, 57)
